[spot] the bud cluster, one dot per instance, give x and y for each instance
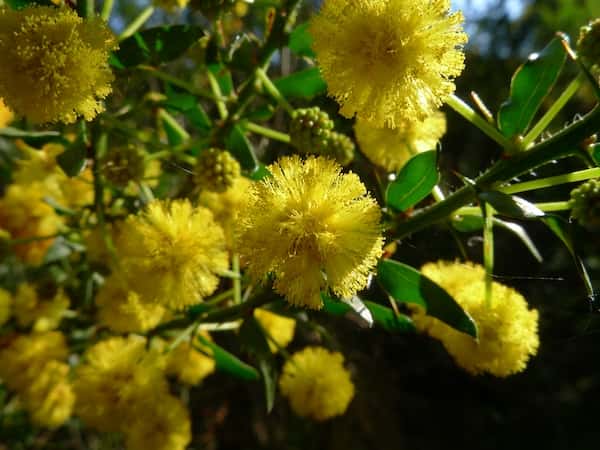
(123, 164)
(585, 204)
(216, 170)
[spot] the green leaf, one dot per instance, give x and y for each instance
(190, 107)
(72, 160)
(223, 76)
(414, 182)
(260, 173)
(406, 284)
(229, 363)
(301, 41)
(340, 306)
(595, 152)
(239, 146)
(303, 84)
(244, 53)
(467, 224)
(155, 45)
(33, 138)
(20, 4)
(522, 234)
(511, 205)
(530, 85)
(381, 315)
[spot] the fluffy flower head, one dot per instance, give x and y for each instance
(172, 253)
(391, 148)
(58, 63)
(279, 328)
(388, 60)
(43, 314)
(312, 227)
(5, 306)
(6, 115)
(316, 383)
(508, 330)
(188, 364)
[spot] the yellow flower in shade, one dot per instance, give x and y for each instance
(121, 309)
(387, 61)
(227, 205)
(163, 424)
(172, 253)
(189, 365)
(171, 5)
(312, 227)
(23, 356)
(508, 330)
(78, 191)
(391, 148)
(59, 70)
(24, 214)
(40, 313)
(116, 377)
(50, 398)
(6, 115)
(280, 329)
(316, 383)
(5, 306)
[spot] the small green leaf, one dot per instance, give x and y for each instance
(190, 107)
(340, 306)
(511, 205)
(33, 138)
(467, 224)
(530, 85)
(223, 76)
(244, 53)
(406, 284)
(414, 182)
(239, 146)
(303, 84)
(229, 363)
(522, 234)
(72, 160)
(595, 152)
(260, 173)
(301, 41)
(155, 46)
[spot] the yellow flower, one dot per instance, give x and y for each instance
(59, 69)
(6, 115)
(50, 398)
(172, 253)
(42, 314)
(5, 306)
(508, 330)
(279, 328)
(313, 227)
(227, 205)
(24, 214)
(316, 383)
(387, 61)
(163, 424)
(23, 356)
(121, 309)
(115, 378)
(391, 148)
(171, 5)
(188, 364)
(78, 191)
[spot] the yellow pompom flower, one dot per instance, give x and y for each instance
(50, 398)
(387, 61)
(171, 5)
(280, 329)
(172, 253)
(316, 383)
(121, 309)
(25, 214)
(6, 115)
(116, 376)
(23, 356)
(78, 191)
(312, 227)
(189, 365)
(40, 313)
(391, 148)
(5, 306)
(508, 330)
(163, 424)
(59, 68)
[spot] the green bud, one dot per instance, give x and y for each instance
(588, 44)
(310, 130)
(340, 147)
(585, 204)
(123, 164)
(216, 170)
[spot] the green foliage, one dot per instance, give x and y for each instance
(305, 84)
(414, 182)
(229, 363)
(511, 205)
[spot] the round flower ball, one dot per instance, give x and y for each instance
(507, 328)
(55, 63)
(386, 61)
(313, 227)
(316, 383)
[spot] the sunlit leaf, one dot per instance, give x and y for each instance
(414, 182)
(511, 205)
(239, 146)
(230, 363)
(303, 84)
(301, 41)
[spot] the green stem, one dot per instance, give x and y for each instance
(214, 85)
(237, 282)
(545, 206)
(178, 129)
(32, 239)
(268, 132)
(107, 8)
(563, 144)
(176, 81)
(558, 105)
(469, 114)
(85, 8)
(273, 91)
(137, 23)
(488, 251)
(572, 177)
